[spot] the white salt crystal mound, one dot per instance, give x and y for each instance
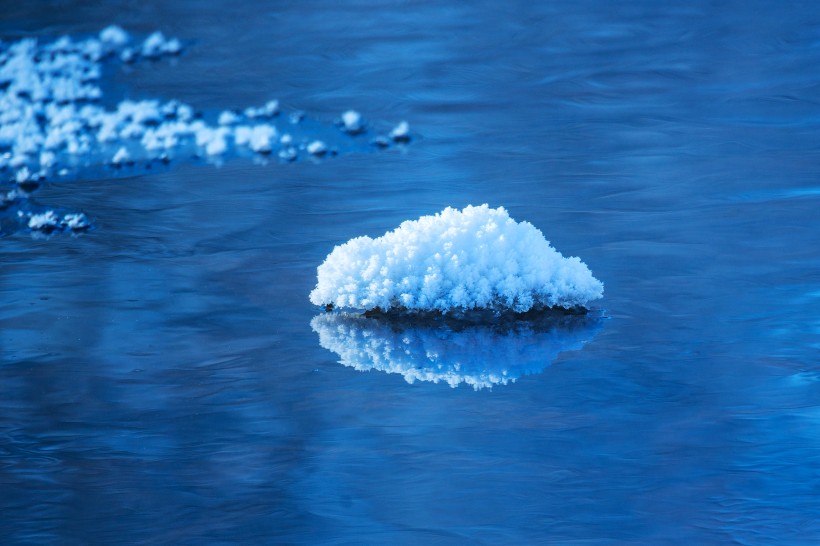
(121, 157)
(75, 221)
(352, 122)
(317, 147)
(114, 37)
(401, 132)
(228, 117)
(43, 220)
(480, 356)
(258, 138)
(455, 260)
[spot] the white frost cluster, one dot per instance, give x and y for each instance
(352, 122)
(157, 45)
(478, 356)
(401, 132)
(53, 122)
(49, 110)
(457, 259)
(51, 115)
(317, 147)
(49, 221)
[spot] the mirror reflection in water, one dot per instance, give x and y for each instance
(481, 354)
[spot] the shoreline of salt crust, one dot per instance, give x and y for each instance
(455, 261)
(52, 123)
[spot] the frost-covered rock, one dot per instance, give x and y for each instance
(481, 356)
(474, 258)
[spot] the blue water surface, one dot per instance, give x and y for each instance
(160, 382)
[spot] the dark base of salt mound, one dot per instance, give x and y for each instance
(540, 319)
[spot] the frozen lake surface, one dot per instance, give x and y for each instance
(164, 379)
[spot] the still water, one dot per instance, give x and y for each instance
(160, 380)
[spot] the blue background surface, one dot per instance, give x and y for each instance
(159, 379)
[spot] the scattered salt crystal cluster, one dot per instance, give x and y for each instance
(479, 356)
(157, 45)
(476, 258)
(51, 117)
(50, 221)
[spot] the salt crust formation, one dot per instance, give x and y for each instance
(53, 123)
(456, 260)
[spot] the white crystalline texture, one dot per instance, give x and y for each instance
(128, 55)
(455, 260)
(48, 105)
(120, 157)
(53, 123)
(271, 108)
(75, 221)
(401, 132)
(44, 220)
(317, 147)
(23, 175)
(49, 221)
(47, 159)
(114, 36)
(157, 45)
(228, 117)
(288, 154)
(216, 143)
(268, 111)
(48, 110)
(173, 46)
(258, 138)
(352, 122)
(140, 112)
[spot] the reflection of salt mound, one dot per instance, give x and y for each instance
(478, 355)
(475, 258)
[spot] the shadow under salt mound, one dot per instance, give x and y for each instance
(436, 348)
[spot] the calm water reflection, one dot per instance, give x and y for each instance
(480, 355)
(160, 380)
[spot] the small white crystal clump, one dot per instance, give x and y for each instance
(48, 221)
(52, 116)
(455, 260)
